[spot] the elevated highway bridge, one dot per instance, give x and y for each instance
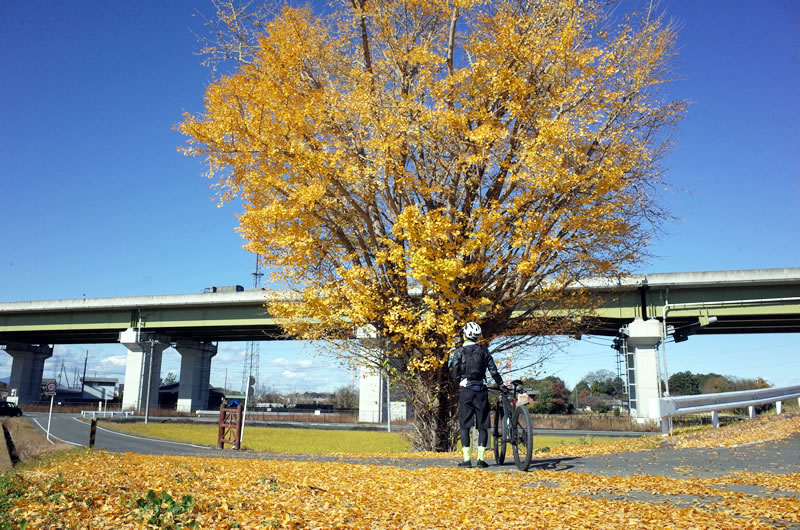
(743, 301)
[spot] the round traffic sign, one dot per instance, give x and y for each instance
(51, 386)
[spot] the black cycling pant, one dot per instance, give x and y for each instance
(473, 405)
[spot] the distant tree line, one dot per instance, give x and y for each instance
(689, 384)
(551, 395)
(598, 391)
(343, 398)
(604, 391)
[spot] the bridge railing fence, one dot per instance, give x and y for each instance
(305, 416)
(78, 408)
(669, 407)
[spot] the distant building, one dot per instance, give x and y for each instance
(168, 397)
(101, 388)
(95, 389)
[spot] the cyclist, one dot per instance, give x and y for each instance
(469, 365)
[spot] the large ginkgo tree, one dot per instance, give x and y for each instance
(407, 166)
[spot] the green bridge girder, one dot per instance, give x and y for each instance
(750, 301)
(205, 317)
(746, 307)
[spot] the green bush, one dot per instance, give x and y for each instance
(12, 487)
(163, 511)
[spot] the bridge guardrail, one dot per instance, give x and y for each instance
(96, 413)
(666, 407)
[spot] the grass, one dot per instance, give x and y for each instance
(317, 441)
(12, 488)
(14, 485)
(28, 440)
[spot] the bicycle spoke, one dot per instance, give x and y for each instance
(523, 437)
(498, 441)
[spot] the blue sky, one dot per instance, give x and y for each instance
(96, 201)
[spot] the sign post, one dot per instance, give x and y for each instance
(249, 393)
(50, 390)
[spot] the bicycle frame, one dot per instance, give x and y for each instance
(506, 427)
(508, 398)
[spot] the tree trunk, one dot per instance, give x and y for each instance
(435, 400)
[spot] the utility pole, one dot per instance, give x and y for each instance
(251, 359)
(83, 381)
(63, 372)
(149, 380)
(250, 372)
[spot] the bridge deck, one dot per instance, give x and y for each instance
(755, 301)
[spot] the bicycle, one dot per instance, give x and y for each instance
(511, 424)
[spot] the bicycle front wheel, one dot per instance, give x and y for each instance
(523, 437)
(499, 436)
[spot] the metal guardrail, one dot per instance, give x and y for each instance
(299, 415)
(666, 407)
(104, 413)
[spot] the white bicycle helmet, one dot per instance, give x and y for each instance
(472, 331)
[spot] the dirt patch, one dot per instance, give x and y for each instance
(22, 441)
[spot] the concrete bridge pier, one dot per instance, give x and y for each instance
(643, 338)
(372, 406)
(195, 374)
(27, 368)
(143, 368)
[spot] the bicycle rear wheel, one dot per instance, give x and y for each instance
(499, 436)
(523, 442)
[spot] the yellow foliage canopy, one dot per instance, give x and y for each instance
(414, 165)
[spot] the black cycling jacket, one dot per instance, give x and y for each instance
(471, 362)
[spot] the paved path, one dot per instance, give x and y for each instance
(777, 456)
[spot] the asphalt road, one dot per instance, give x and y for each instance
(72, 429)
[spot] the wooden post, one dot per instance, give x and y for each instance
(92, 432)
(239, 425)
(221, 433)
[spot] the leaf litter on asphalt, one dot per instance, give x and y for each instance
(108, 490)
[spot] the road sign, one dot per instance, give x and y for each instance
(251, 384)
(50, 390)
(249, 394)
